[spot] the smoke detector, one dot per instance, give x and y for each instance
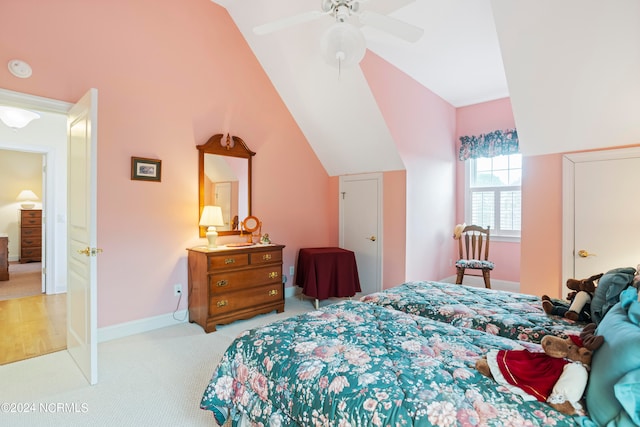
(20, 68)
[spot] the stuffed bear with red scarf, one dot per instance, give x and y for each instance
(557, 376)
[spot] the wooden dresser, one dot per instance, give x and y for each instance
(228, 284)
(30, 235)
(4, 257)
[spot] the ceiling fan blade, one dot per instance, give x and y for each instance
(281, 24)
(393, 26)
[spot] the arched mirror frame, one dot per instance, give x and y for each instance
(232, 146)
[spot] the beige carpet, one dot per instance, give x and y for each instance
(151, 379)
(25, 280)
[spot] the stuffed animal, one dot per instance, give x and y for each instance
(457, 230)
(557, 376)
(580, 297)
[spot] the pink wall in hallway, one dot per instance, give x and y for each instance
(169, 75)
(475, 120)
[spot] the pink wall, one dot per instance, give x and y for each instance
(474, 120)
(169, 75)
(423, 127)
(394, 228)
(541, 271)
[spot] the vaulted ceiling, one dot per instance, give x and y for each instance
(571, 68)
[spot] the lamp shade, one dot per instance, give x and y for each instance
(27, 197)
(211, 217)
(343, 45)
(16, 118)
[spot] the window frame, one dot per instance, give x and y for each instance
(496, 235)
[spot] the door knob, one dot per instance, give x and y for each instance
(89, 251)
(583, 254)
(372, 238)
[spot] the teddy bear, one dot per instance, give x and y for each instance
(457, 230)
(580, 297)
(558, 375)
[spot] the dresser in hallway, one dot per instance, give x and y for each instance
(30, 235)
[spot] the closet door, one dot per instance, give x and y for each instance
(606, 222)
(361, 226)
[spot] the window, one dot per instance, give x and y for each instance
(494, 197)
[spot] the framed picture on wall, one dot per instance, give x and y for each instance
(145, 169)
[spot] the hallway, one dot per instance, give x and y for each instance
(31, 323)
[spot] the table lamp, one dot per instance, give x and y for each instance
(28, 198)
(212, 218)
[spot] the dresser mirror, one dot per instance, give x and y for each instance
(224, 173)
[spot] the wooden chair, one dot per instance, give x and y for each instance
(473, 246)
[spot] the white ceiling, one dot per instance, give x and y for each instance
(459, 58)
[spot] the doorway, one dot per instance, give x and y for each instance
(68, 133)
(598, 215)
(361, 226)
(22, 171)
(35, 321)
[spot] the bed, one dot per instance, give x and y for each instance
(507, 314)
(359, 364)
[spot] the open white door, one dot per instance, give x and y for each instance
(82, 319)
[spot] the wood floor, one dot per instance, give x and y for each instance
(32, 326)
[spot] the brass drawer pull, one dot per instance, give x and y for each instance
(266, 257)
(222, 283)
(229, 260)
(273, 275)
(222, 303)
(273, 292)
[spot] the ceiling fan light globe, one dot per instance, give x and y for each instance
(343, 45)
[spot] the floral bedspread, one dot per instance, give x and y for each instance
(508, 314)
(356, 364)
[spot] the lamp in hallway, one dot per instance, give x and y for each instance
(211, 218)
(28, 199)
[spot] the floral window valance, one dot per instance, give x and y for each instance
(492, 144)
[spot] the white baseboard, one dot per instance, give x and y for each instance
(292, 291)
(125, 329)
(139, 326)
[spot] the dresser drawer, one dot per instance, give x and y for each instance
(237, 280)
(31, 222)
(30, 242)
(228, 261)
(266, 257)
(223, 303)
(31, 214)
(30, 252)
(30, 232)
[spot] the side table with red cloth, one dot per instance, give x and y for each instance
(327, 272)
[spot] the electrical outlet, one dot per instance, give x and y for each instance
(177, 290)
(291, 271)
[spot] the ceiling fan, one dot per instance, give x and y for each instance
(343, 44)
(341, 11)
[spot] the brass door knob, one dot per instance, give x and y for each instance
(583, 254)
(372, 238)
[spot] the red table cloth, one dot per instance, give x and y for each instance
(327, 272)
